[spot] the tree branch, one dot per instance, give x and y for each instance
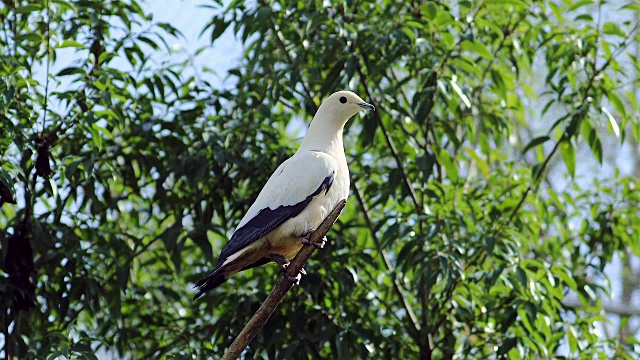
(283, 285)
(565, 136)
(390, 144)
(413, 326)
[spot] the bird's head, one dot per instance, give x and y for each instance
(342, 105)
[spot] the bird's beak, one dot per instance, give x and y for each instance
(367, 106)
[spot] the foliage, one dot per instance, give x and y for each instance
(130, 174)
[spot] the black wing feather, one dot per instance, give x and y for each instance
(266, 220)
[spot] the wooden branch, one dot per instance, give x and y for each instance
(257, 321)
(413, 325)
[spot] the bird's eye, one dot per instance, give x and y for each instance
(343, 100)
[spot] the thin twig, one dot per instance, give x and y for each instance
(390, 144)
(284, 284)
(414, 329)
(583, 103)
(283, 47)
(46, 80)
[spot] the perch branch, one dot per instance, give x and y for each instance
(283, 285)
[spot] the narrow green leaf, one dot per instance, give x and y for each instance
(445, 160)
(617, 103)
(569, 156)
(477, 48)
(55, 355)
(579, 4)
(95, 136)
(631, 6)
(409, 32)
(429, 9)
(613, 125)
(71, 71)
(54, 188)
(563, 274)
(611, 28)
(70, 43)
(535, 142)
(60, 336)
(593, 140)
(218, 28)
(573, 342)
(29, 36)
(29, 8)
(458, 91)
(515, 3)
(521, 275)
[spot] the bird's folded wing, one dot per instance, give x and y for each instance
(289, 190)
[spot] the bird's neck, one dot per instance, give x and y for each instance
(325, 136)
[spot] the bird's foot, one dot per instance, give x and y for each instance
(317, 245)
(280, 260)
(296, 279)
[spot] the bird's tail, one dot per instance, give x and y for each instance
(214, 279)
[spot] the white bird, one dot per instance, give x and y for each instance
(296, 198)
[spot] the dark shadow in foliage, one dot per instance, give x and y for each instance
(43, 146)
(18, 263)
(5, 194)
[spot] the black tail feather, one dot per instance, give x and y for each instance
(211, 281)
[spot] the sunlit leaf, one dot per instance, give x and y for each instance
(613, 125)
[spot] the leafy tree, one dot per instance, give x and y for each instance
(122, 177)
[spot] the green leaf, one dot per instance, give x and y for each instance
(445, 160)
(71, 71)
(70, 43)
(34, 37)
(563, 274)
(578, 4)
(54, 188)
(613, 125)
(62, 338)
(571, 337)
(514, 3)
(29, 8)
(617, 103)
(477, 48)
(96, 136)
(611, 28)
(521, 275)
(593, 140)
(536, 142)
(430, 9)
(489, 244)
(463, 97)
(569, 156)
(409, 33)
(55, 355)
(218, 28)
(149, 42)
(631, 6)
(64, 5)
